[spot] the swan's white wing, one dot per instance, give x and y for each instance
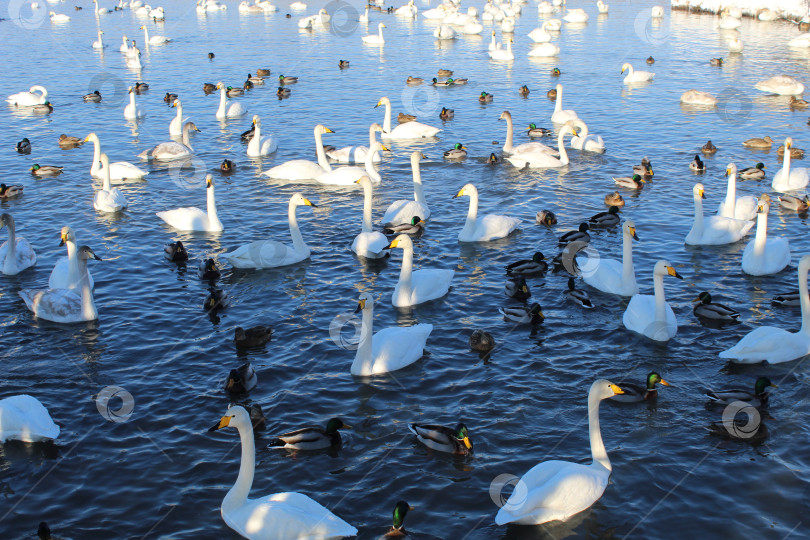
(768, 343)
(746, 207)
(797, 180)
(342, 176)
(122, 170)
(492, 227)
(774, 258)
(403, 211)
(185, 219)
(297, 169)
(269, 145)
(109, 201)
(607, 277)
(426, 284)
(265, 254)
(59, 276)
(640, 317)
(235, 110)
(532, 147)
(25, 253)
(411, 130)
(351, 154)
(534, 160)
(371, 245)
(24, 418)
(170, 150)
(396, 347)
(57, 305)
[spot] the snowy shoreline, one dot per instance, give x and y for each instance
(794, 10)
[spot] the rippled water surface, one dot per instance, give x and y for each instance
(161, 474)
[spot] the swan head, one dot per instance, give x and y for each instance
(130, 90)
(764, 204)
(788, 143)
(236, 416)
(366, 302)
(468, 190)
(731, 169)
(209, 181)
(403, 240)
(143, 27)
(91, 137)
(629, 228)
(86, 253)
(376, 127)
(505, 115)
(191, 126)
(6, 221)
(299, 200)
(603, 389)
(256, 120)
(321, 129)
(698, 192)
(66, 235)
(417, 156)
(105, 160)
(626, 66)
(363, 181)
(663, 268)
(383, 100)
(377, 146)
(381, 25)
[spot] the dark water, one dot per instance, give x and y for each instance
(160, 474)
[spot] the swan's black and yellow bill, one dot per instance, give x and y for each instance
(633, 232)
(616, 389)
(224, 422)
(361, 305)
(674, 273)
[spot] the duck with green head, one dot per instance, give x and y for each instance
(758, 398)
(605, 219)
(398, 528)
(45, 170)
(415, 227)
(630, 182)
(535, 131)
(459, 151)
(533, 267)
(444, 439)
(634, 393)
(757, 172)
(708, 310)
(312, 438)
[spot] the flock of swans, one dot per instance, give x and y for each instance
(557, 490)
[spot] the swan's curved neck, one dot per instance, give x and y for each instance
(379, 27)
(295, 232)
(255, 143)
(95, 168)
(558, 100)
(371, 169)
(387, 121)
(418, 191)
(322, 161)
(660, 299)
(628, 272)
(186, 140)
(730, 204)
(222, 101)
(805, 300)
(697, 225)
(761, 237)
(363, 358)
(786, 164)
(472, 214)
(507, 146)
(238, 494)
(372, 136)
(561, 147)
(179, 116)
(73, 264)
(10, 264)
(629, 73)
(407, 269)
(106, 184)
(598, 451)
(212, 208)
(132, 102)
(583, 132)
(367, 207)
(89, 311)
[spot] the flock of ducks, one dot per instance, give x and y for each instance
(556, 490)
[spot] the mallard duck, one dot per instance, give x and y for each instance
(175, 252)
(740, 428)
(458, 151)
(758, 398)
(523, 90)
(227, 166)
(522, 314)
(795, 153)
(485, 98)
(555, 72)
(248, 84)
(634, 393)
(537, 265)
(794, 203)
(255, 79)
(94, 97)
(211, 56)
(697, 165)
(208, 270)
(714, 312)
(716, 61)
(445, 73)
(414, 227)
(342, 64)
(708, 148)
(446, 114)
(546, 217)
(756, 172)
(757, 142)
(578, 295)
(403, 118)
(630, 182)
(216, 300)
(534, 131)
(282, 92)
(517, 288)
(140, 86)
(208, 88)
(552, 94)
(242, 379)
(397, 530)
(170, 98)
(650, 60)
(481, 341)
(44, 108)
(459, 82)
(45, 170)
(792, 298)
(312, 438)
(437, 82)
(615, 199)
(605, 219)
(493, 159)
(798, 103)
(24, 146)
(444, 439)
(234, 92)
(285, 79)
(9, 192)
(252, 337)
(580, 235)
(414, 80)
(644, 169)
(67, 142)
(263, 72)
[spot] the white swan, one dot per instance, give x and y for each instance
(484, 228)
(444, 31)
(802, 40)
(16, 253)
(281, 516)
(170, 150)
(176, 125)
(657, 12)
(585, 141)
(131, 111)
(258, 145)
(389, 349)
(25, 419)
(538, 35)
(764, 255)
(744, 207)
(560, 115)
(553, 24)
(65, 273)
(124, 47)
(408, 10)
(696, 97)
(194, 219)
(375, 39)
(544, 8)
(782, 85)
(108, 198)
(65, 305)
(347, 176)
(577, 15)
(58, 17)
(493, 44)
(651, 316)
(417, 286)
(636, 76)
(154, 40)
(775, 345)
(364, 17)
(403, 211)
(408, 130)
(610, 275)
(357, 154)
(369, 243)
(735, 45)
(525, 148)
(272, 253)
(303, 169)
(235, 110)
(542, 160)
(556, 490)
(503, 55)
(602, 7)
(544, 50)
(120, 170)
(714, 230)
(729, 23)
(100, 43)
(472, 28)
(787, 179)
(30, 98)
